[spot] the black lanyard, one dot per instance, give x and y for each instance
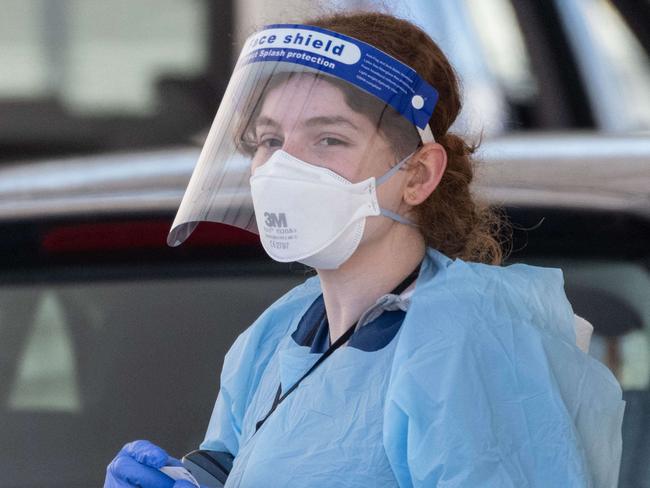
(279, 397)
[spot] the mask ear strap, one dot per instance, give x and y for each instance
(393, 170)
(397, 217)
(426, 135)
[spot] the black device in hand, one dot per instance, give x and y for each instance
(210, 468)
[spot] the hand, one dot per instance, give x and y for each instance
(136, 465)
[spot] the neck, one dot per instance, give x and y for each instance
(375, 269)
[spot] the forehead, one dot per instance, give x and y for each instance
(306, 95)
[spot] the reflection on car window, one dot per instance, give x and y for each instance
(618, 294)
(627, 355)
(628, 62)
(503, 44)
(46, 377)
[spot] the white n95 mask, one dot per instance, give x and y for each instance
(311, 214)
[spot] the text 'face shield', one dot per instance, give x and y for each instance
(325, 98)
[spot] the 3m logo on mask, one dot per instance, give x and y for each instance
(275, 219)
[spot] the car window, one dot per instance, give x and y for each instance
(96, 57)
(617, 293)
(81, 75)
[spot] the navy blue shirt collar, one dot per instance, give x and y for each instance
(313, 329)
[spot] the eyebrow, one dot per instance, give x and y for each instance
(312, 122)
(264, 120)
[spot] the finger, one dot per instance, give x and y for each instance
(147, 453)
(184, 484)
(172, 461)
(127, 470)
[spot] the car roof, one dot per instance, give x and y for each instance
(590, 171)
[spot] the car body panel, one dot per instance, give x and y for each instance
(568, 170)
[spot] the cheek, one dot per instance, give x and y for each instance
(389, 193)
(376, 161)
(343, 162)
(347, 170)
(375, 229)
(357, 164)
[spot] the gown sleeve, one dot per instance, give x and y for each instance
(224, 428)
(483, 395)
(243, 367)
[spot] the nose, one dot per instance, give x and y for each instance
(295, 148)
(291, 146)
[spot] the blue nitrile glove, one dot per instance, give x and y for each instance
(136, 465)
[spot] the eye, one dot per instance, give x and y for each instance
(270, 142)
(331, 141)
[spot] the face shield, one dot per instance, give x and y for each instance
(322, 97)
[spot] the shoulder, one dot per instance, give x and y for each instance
(463, 299)
(496, 322)
(509, 331)
(493, 342)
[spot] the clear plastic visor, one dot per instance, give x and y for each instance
(316, 117)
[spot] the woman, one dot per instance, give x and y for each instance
(413, 358)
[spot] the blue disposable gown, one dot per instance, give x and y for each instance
(482, 386)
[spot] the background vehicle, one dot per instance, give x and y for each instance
(107, 335)
(91, 76)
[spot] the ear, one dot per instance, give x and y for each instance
(425, 168)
